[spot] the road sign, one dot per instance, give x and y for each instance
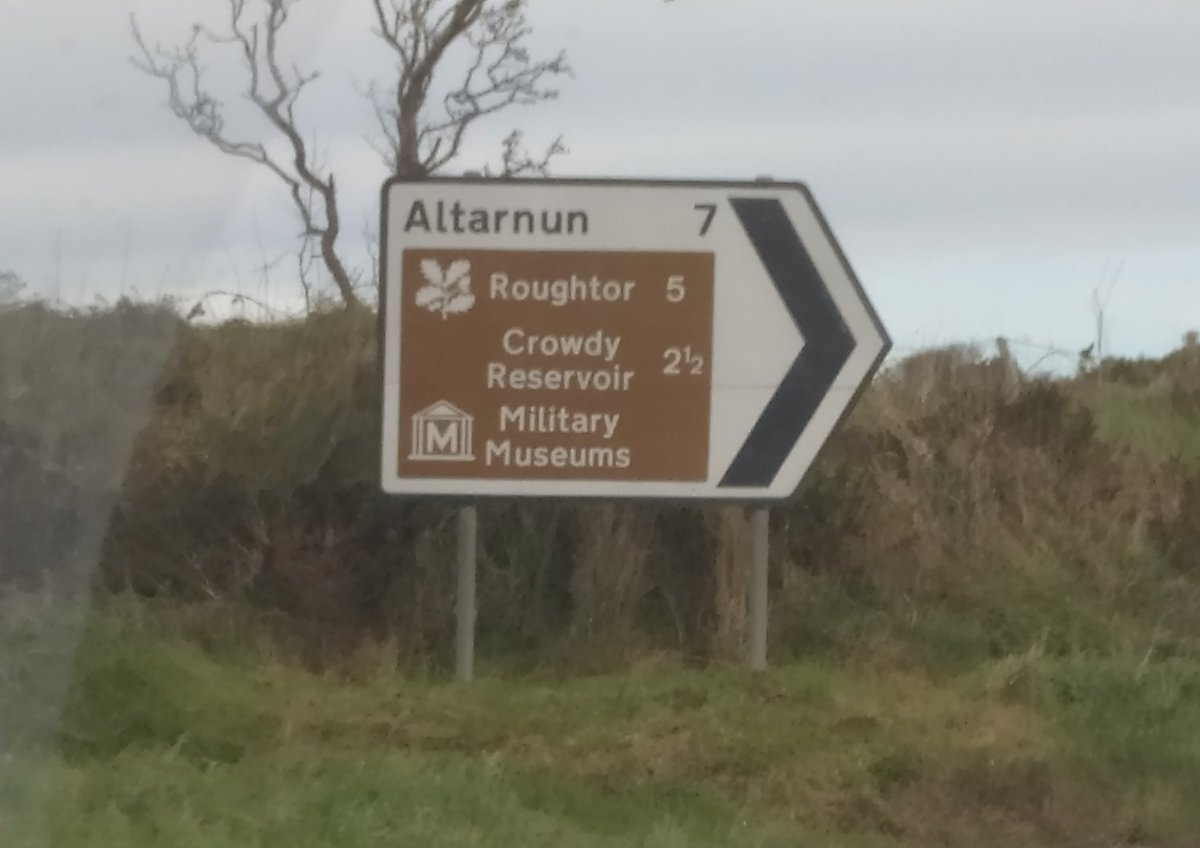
(613, 339)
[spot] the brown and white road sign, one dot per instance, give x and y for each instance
(605, 339)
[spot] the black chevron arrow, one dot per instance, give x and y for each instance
(827, 344)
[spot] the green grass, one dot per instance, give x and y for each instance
(986, 632)
(164, 743)
(325, 797)
(1144, 419)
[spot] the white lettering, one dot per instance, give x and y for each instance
(515, 417)
(536, 418)
(498, 453)
(516, 341)
(563, 291)
(508, 455)
(612, 379)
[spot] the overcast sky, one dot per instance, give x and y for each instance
(986, 165)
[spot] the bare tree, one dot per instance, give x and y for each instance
(1096, 351)
(11, 286)
(419, 141)
(501, 73)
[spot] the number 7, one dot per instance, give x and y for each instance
(710, 210)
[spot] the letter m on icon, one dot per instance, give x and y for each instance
(442, 438)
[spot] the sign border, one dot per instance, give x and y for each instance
(614, 182)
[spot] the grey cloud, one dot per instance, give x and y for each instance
(956, 146)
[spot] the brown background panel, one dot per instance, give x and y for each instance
(664, 419)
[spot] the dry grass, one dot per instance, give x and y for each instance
(946, 524)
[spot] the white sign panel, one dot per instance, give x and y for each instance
(613, 339)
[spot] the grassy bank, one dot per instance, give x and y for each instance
(985, 616)
(165, 743)
(948, 521)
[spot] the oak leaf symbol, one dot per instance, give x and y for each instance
(446, 291)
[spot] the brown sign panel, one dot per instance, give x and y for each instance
(548, 365)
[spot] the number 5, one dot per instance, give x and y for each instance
(676, 291)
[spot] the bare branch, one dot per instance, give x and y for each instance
(501, 73)
(199, 310)
(274, 91)
(516, 162)
(304, 264)
(418, 138)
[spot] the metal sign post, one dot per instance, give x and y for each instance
(760, 535)
(468, 548)
(758, 595)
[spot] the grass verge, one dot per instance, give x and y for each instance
(165, 743)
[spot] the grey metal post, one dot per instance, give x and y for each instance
(468, 550)
(468, 542)
(760, 551)
(760, 535)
